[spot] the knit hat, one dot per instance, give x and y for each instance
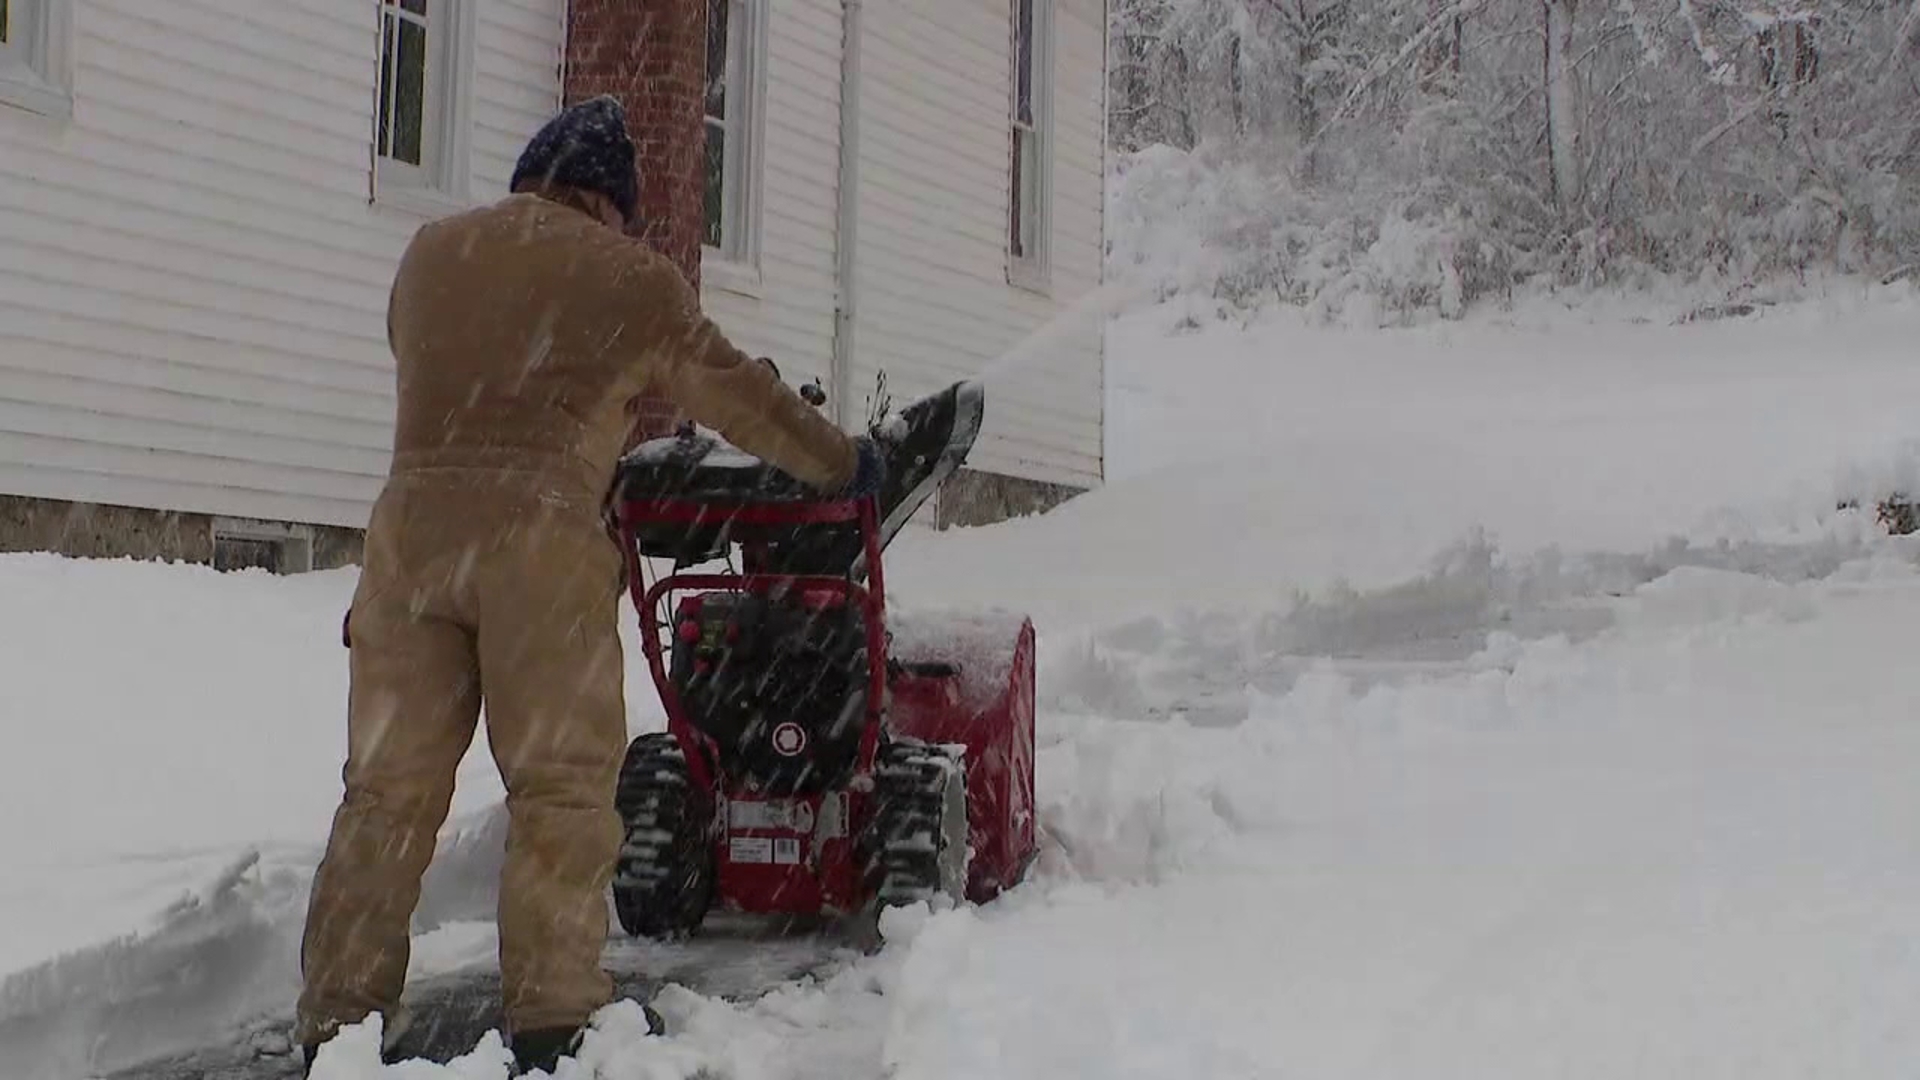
(585, 147)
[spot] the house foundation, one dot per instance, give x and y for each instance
(92, 531)
(971, 498)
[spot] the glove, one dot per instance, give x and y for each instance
(869, 470)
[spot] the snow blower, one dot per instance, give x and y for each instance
(821, 759)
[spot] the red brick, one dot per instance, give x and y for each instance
(651, 54)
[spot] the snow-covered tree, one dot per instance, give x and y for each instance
(1422, 152)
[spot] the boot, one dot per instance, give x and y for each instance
(543, 1048)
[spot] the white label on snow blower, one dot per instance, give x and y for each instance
(795, 816)
(786, 850)
(751, 849)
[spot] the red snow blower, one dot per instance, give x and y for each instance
(820, 759)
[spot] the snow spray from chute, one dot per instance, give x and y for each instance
(1099, 303)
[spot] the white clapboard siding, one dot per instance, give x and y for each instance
(789, 317)
(192, 281)
(934, 302)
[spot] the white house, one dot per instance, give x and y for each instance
(201, 203)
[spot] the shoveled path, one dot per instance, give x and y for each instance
(732, 959)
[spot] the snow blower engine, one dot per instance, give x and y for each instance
(820, 759)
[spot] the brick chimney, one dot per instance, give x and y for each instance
(652, 55)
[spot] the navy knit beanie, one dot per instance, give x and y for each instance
(585, 147)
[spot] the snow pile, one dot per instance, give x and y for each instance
(1249, 464)
(175, 741)
(207, 962)
(979, 644)
(220, 963)
(159, 723)
(1208, 668)
(1530, 868)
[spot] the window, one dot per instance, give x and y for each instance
(420, 136)
(245, 544)
(1030, 183)
(736, 49)
(33, 56)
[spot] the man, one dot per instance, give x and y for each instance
(520, 331)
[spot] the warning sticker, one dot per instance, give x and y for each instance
(786, 850)
(750, 849)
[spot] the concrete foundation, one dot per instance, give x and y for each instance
(981, 498)
(92, 531)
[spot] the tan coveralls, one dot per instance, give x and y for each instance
(520, 331)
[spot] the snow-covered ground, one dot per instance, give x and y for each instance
(1249, 462)
(1500, 699)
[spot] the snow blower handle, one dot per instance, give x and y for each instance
(812, 393)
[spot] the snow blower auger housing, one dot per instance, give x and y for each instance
(818, 760)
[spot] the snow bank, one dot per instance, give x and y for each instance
(175, 738)
(1247, 464)
(221, 962)
(1639, 856)
(159, 721)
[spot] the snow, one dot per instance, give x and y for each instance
(1506, 698)
(978, 644)
(177, 717)
(1248, 463)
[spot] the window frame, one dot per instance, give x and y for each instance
(734, 264)
(36, 73)
(1032, 269)
(443, 181)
